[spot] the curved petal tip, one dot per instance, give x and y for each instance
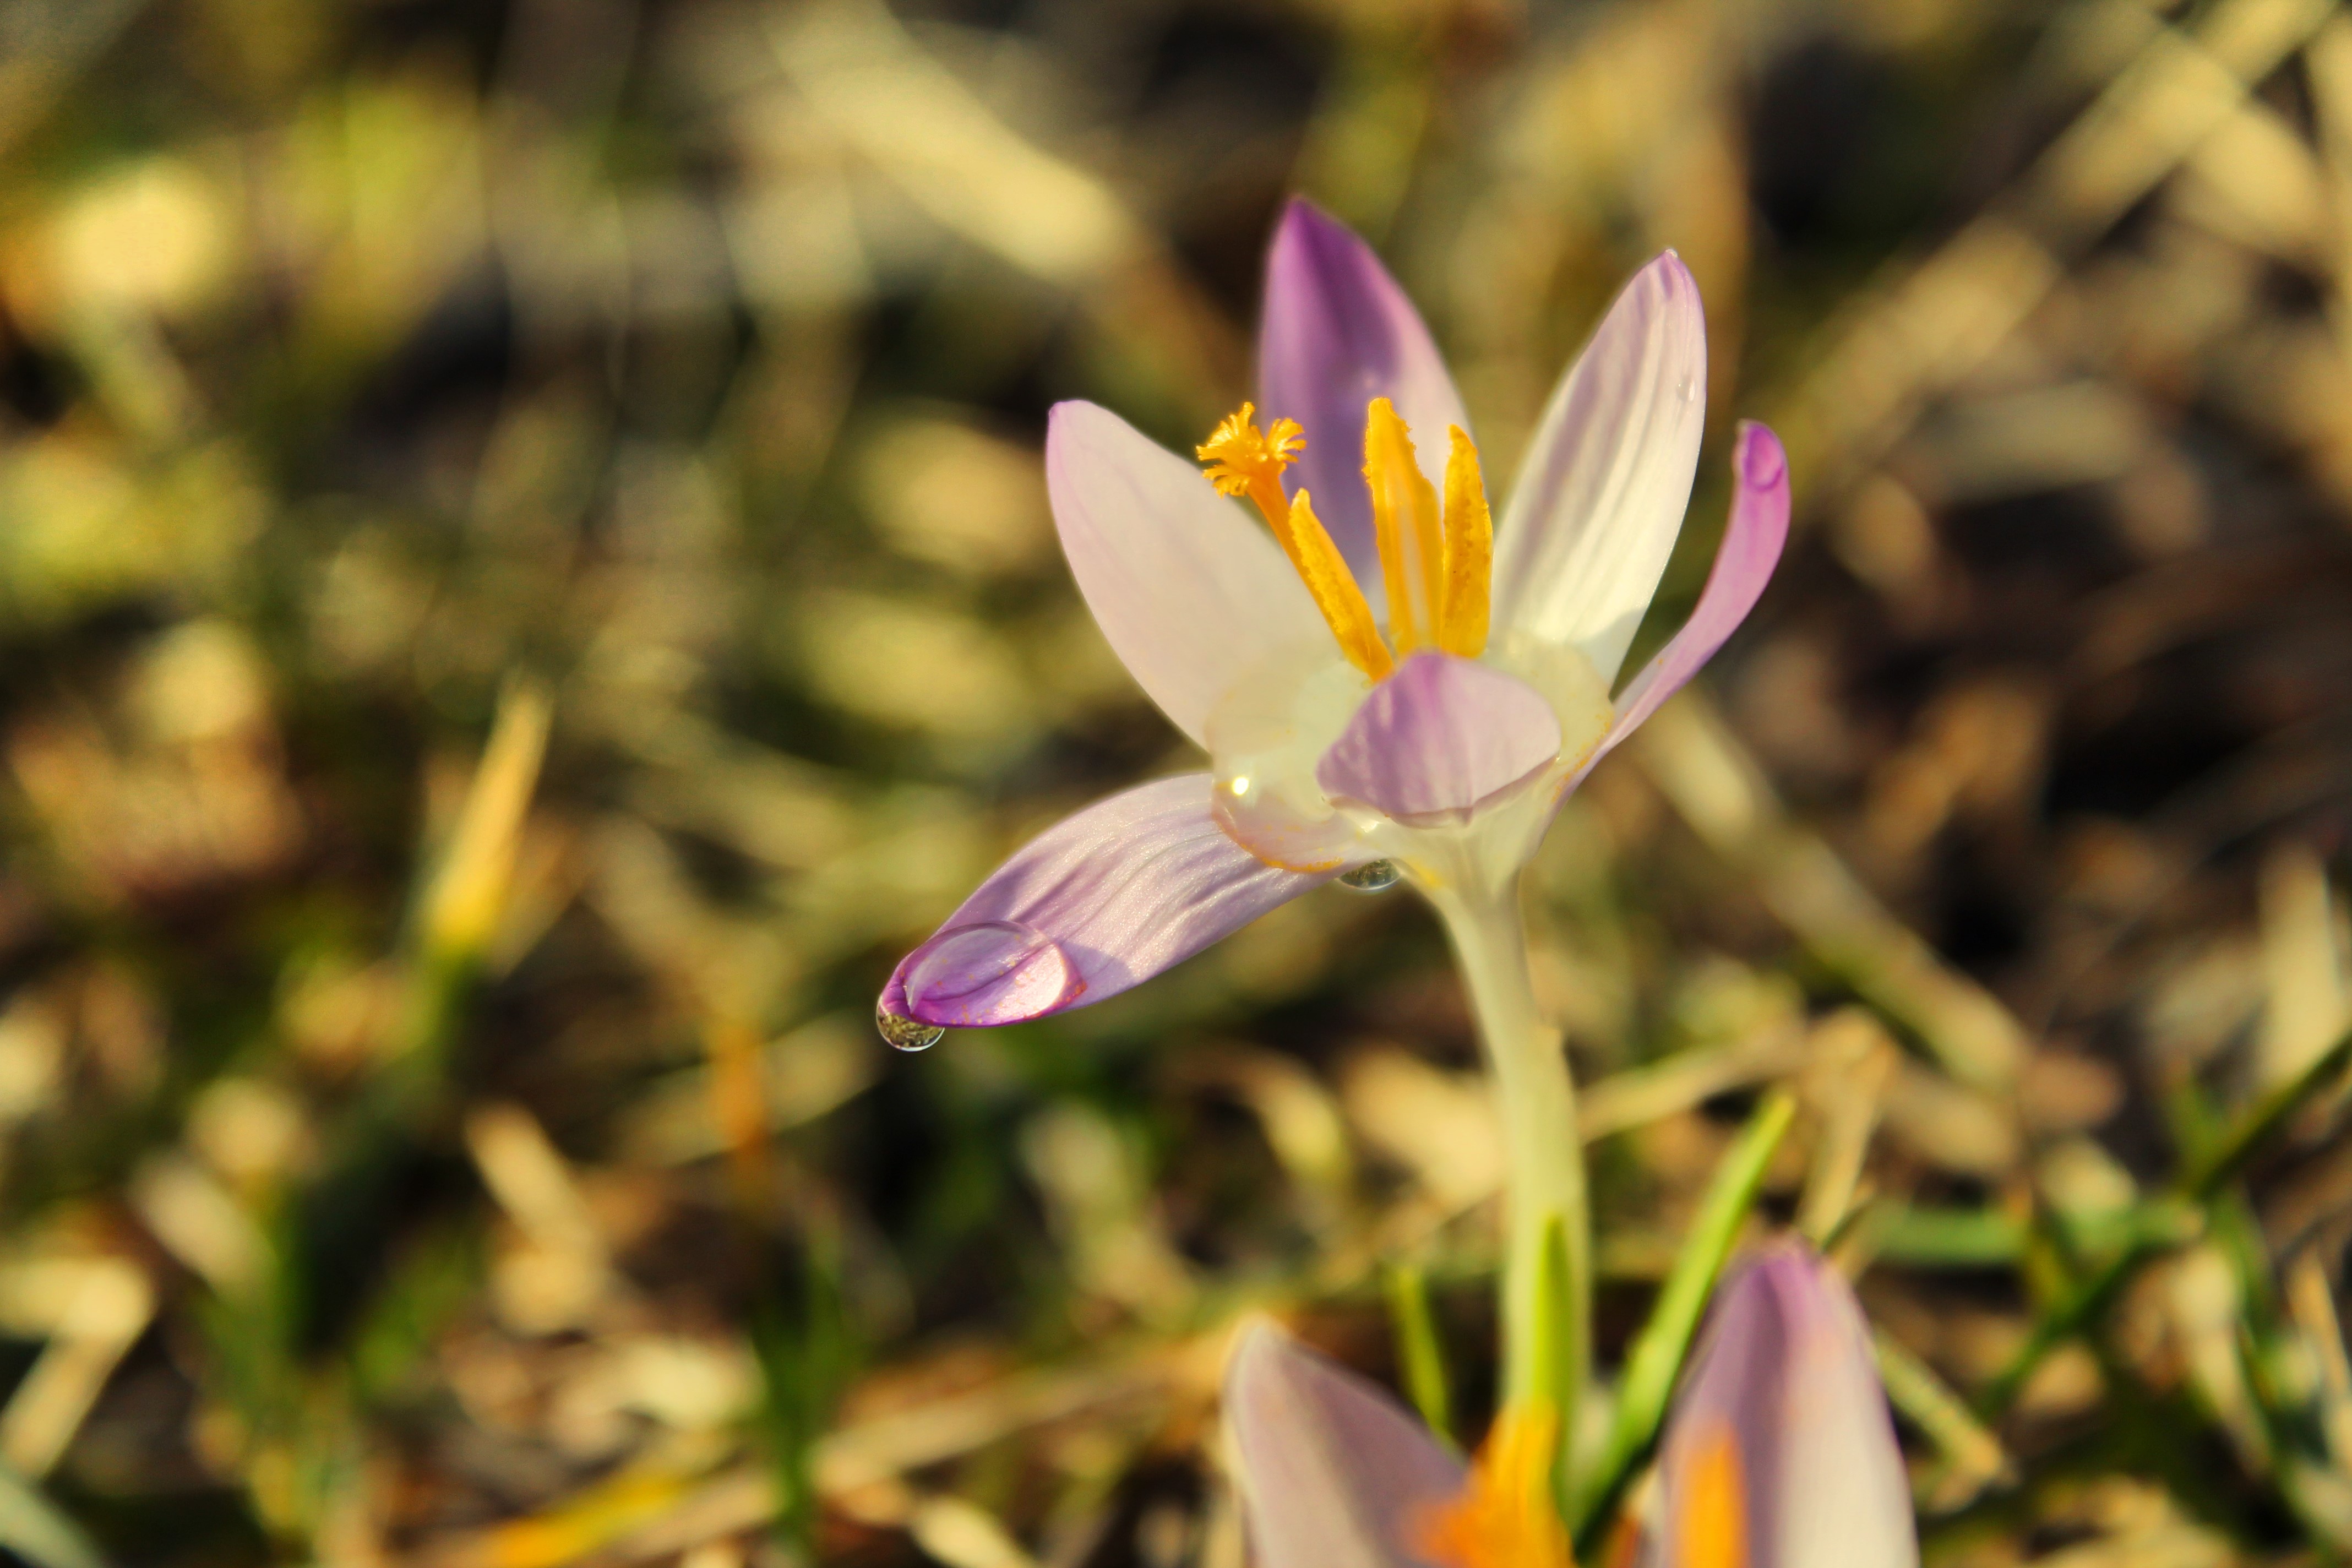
(973, 976)
(1763, 462)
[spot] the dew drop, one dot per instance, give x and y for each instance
(1373, 877)
(907, 1033)
(1686, 388)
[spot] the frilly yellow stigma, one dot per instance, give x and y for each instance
(1503, 1517)
(1240, 457)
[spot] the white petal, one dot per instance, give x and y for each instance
(1190, 591)
(1601, 497)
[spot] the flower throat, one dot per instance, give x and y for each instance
(1436, 560)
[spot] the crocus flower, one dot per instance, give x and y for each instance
(1334, 1474)
(1778, 1453)
(1376, 671)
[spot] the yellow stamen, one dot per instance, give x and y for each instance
(1503, 1516)
(1324, 572)
(1243, 460)
(1469, 551)
(1713, 1524)
(1406, 526)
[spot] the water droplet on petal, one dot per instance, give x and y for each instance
(1686, 388)
(907, 1033)
(1372, 876)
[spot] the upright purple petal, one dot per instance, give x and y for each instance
(1337, 332)
(1752, 541)
(1782, 1406)
(1334, 1473)
(1100, 901)
(1438, 739)
(1601, 495)
(1190, 591)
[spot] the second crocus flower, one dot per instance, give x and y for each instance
(1780, 1453)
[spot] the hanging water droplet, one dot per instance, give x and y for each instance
(907, 1033)
(1373, 877)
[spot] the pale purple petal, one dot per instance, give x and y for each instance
(1334, 1473)
(1439, 738)
(1752, 541)
(1190, 590)
(1337, 332)
(1785, 1375)
(1601, 495)
(1095, 904)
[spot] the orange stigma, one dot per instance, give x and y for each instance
(1504, 1516)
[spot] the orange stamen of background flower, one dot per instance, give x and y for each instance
(1503, 1517)
(1713, 1529)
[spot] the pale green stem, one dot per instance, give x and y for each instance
(1547, 1334)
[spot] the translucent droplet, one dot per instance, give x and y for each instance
(1686, 388)
(1373, 877)
(907, 1033)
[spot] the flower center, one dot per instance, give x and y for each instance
(1503, 1517)
(1436, 560)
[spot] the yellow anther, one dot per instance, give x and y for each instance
(1407, 526)
(1503, 1517)
(1327, 576)
(1243, 460)
(1469, 553)
(1713, 1529)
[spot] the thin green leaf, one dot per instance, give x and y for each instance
(1656, 1361)
(1420, 1355)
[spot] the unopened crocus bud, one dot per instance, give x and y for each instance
(1781, 1452)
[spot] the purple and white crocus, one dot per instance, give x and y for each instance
(1384, 680)
(1778, 1453)
(1450, 762)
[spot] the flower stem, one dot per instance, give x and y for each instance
(1547, 1303)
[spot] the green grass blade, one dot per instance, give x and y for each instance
(1656, 1360)
(1420, 1355)
(2208, 1172)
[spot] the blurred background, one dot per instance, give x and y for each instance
(525, 584)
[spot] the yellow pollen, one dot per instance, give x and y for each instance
(1713, 1529)
(1243, 460)
(1503, 1517)
(1436, 559)
(1407, 526)
(1469, 574)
